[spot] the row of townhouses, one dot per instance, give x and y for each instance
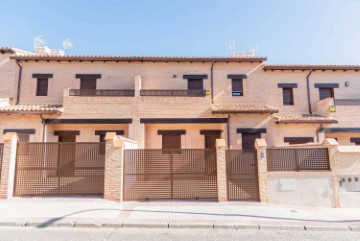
(176, 102)
(140, 128)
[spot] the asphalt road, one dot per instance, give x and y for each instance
(79, 234)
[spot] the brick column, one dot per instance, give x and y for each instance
(137, 85)
(260, 145)
(221, 170)
(8, 165)
(113, 168)
(137, 132)
(332, 146)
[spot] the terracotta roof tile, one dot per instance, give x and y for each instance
(302, 118)
(31, 108)
(310, 67)
(243, 108)
(140, 58)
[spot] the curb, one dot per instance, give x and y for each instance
(185, 226)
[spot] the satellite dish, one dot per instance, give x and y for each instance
(39, 42)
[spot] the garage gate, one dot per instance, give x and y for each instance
(44, 169)
(170, 174)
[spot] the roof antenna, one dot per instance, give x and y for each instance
(230, 45)
(67, 44)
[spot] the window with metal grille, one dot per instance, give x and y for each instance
(42, 87)
(237, 87)
(326, 93)
(195, 84)
(288, 96)
(171, 141)
(298, 140)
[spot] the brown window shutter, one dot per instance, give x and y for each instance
(42, 87)
(326, 93)
(288, 98)
(171, 141)
(195, 84)
(88, 84)
(237, 87)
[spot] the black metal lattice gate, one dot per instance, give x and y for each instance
(242, 177)
(170, 174)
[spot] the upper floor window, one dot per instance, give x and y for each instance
(237, 84)
(288, 92)
(171, 139)
(325, 93)
(326, 90)
(288, 96)
(42, 83)
(195, 84)
(88, 84)
(42, 87)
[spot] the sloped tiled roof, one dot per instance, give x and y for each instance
(32, 108)
(310, 67)
(302, 118)
(140, 58)
(243, 108)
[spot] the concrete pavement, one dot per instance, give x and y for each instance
(86, 234)
(96, 212)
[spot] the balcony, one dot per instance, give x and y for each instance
(84, 92)
(189, 93)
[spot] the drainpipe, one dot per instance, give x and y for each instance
(308, 90)
(19, 83)
(212, 82)
(228, 132)
(44, 122)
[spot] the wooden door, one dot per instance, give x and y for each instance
(248, 140)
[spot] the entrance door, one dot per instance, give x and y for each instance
(248, 140)
(67, 160)
(210, 141)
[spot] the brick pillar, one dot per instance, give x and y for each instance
(113, 168)
(332, 146)
(137, 132)
(138, 85)
(8, 165)
(221, 170)
(260, 145)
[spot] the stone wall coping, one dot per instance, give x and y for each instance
(9, 136)
(348, 149)
(330, 142)
(260, 143)
(220, 143)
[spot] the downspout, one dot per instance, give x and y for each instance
(228, 132)
(44, 122)
(212, 82)
(308, 90)
(19, 83)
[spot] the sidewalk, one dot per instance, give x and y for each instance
(96, 212)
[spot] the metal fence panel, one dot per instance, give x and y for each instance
(298, 159)
(242, 178)
(59, 169)
(170, 174)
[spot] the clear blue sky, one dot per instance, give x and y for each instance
(286, 31)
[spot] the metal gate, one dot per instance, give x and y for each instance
(44, 169)
(170, 174)
(1, 157)
(242, 178)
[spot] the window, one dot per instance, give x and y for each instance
(355, 140)
(326, 93)
(288, 96)
(171, 141)
(195, 84)
(237, 87)
(42, 87)
(24, 137)
(298, 140)
(88, 84)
